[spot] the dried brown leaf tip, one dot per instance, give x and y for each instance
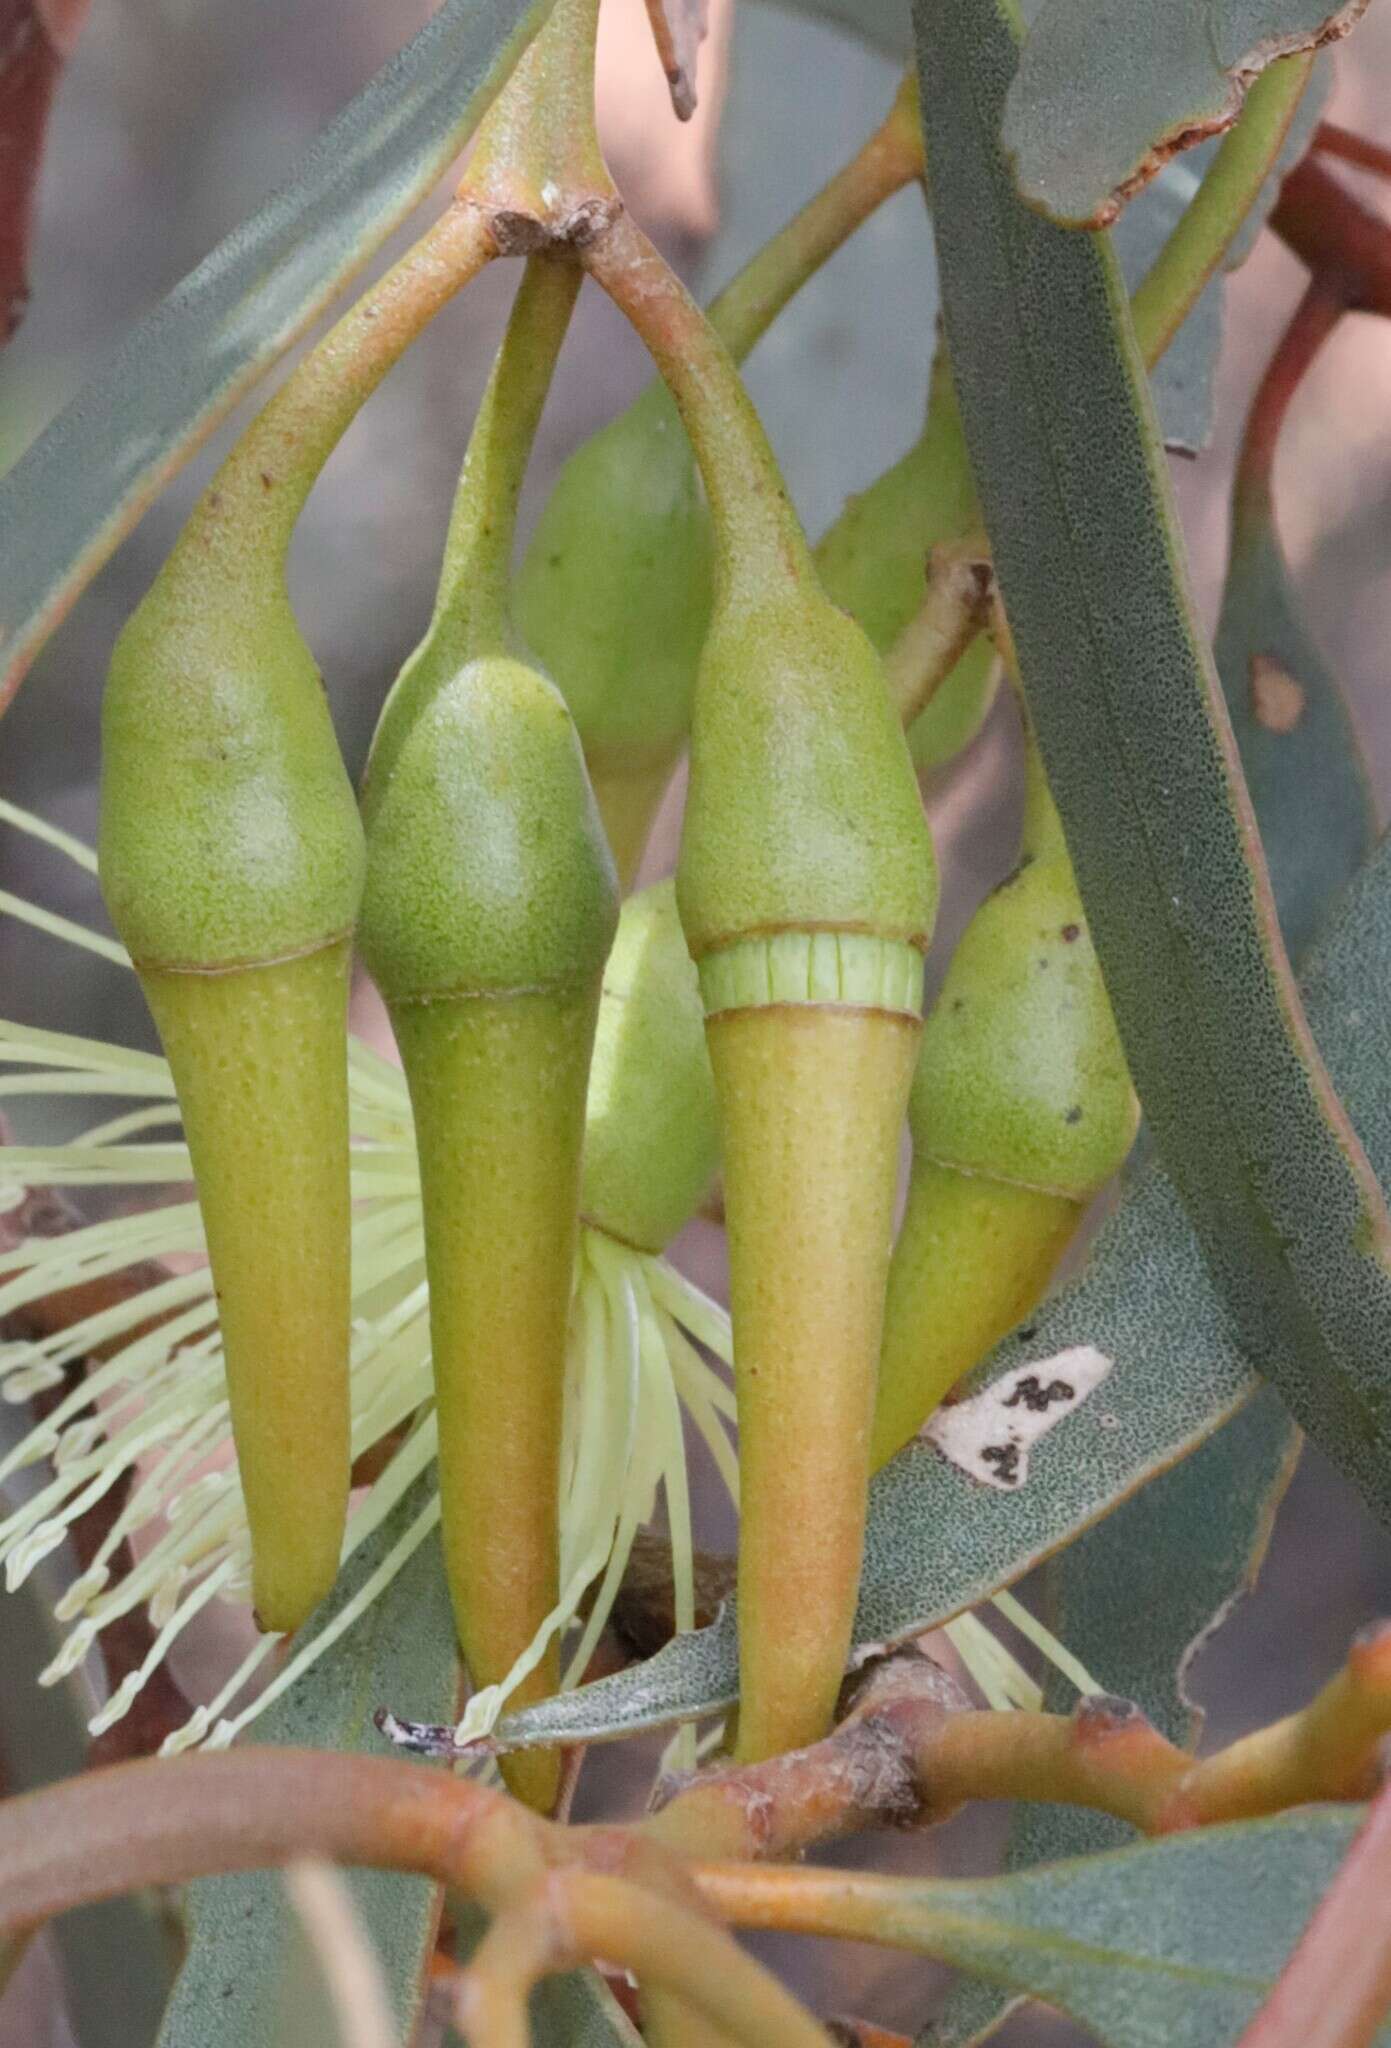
(679, 27)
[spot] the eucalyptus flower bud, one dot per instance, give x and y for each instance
(1021, 1111)
(489, 909)
(873, 562)
(231, 860)
(807, 889)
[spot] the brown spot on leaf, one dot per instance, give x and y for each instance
(1276, 698)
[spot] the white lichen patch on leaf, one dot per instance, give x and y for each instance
(990, 1435)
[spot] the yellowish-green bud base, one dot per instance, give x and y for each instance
(259, 1058)
(856, 969)
(973, 1257)
(812, 1104)
(497, 1085)
(1022, 1077)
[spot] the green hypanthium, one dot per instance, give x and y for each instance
(1045, 1235)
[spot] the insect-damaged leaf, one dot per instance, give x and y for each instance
(1307, 779)
(1131, 1599)
(1134, 1597)
(1108, 90)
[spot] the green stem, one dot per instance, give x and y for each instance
(891, 158)
(758, 538)
(1167, 294)
(252, 504)
(470, 616)
(537, 154)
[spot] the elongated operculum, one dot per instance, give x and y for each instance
(1021, 1110)
(489, 909)
(231, 861)
(807, 890)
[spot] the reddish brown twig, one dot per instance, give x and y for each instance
(1335, 1990)
(36, 36)
(1353, 149)
(1346, 247)
(1315, 318)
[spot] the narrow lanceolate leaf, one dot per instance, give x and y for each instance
(939, 1541)
(1171, 1944)
(67, 503)
(230, 1991)
(1108, 91)
(1142, 762)
(1297, 743)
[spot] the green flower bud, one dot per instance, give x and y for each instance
(807, 889)
(1021, 1111)
(802, 824)
(231, 862)
(613, 597)
(803, 812)
(873, 562)
(651, 1148)
(489, 910)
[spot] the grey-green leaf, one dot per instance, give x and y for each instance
(1182, 380)
(1172, 1944)
(401, 1652)
(881, 22)
(1297, 743)
(1108, 90)
(937, 1541)
(332, 1988)
(1141, 760)
(1132, 1599)
(71, 498)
